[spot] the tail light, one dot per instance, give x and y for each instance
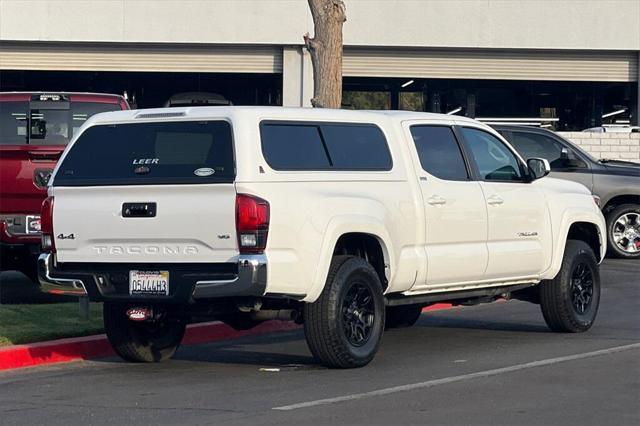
(252, 223)
(46, 225)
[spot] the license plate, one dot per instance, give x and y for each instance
(33, 224)
(149, 283)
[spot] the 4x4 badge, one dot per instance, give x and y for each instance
(66, 237)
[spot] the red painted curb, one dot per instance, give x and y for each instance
(91, 347)
(437, 307)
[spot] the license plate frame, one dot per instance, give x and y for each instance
(148, 283)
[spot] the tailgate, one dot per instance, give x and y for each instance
(24, 172)
(147, 192)
(192, 223)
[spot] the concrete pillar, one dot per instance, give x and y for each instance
(297, 77)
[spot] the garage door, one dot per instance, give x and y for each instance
(175, 58)
(491, 64)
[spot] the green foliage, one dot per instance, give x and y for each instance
(35, 323)
(366, 100)
(408, 101)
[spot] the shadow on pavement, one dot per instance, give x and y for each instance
(17, 288)
(474, 324)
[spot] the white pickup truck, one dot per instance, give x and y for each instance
(345, 221)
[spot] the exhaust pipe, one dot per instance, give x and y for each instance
(281, 314)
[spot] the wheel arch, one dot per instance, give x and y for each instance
(578, 225)
(367, 246)
(589, 233)
(361, 236)
(618, 200)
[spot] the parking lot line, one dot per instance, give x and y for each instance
(453, 379)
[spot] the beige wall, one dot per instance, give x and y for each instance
(554, 24)
(618, 146)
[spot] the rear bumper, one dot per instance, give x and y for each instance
(188, 282)
(7, 237)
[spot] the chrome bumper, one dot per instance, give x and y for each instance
(250, 281)
(59, 286)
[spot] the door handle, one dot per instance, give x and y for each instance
(436, 200)
(494, 200)
(139, 210)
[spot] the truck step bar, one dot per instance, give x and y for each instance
(456, 297)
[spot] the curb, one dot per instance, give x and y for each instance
(92, 347)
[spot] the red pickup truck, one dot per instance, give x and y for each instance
(35, 127)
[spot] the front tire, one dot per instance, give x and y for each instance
(147, 341)
(623, 231)
(344, 326)
(570, 301)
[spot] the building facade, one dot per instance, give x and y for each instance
(565, 64)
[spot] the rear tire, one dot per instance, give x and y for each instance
(570, 301)
(147, 341)
(344, 326)
(627, 232)
(402, 316)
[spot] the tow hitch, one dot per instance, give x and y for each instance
(139, 314)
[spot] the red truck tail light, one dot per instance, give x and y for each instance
(252, 223)
(46, 225)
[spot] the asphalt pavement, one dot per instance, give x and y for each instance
(488, 364)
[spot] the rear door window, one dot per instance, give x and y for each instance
(150, 153)
(439, 152)
(324, 146)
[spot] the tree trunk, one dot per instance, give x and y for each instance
(326, 52)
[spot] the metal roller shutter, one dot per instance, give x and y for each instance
(491, 64)
(176, 58)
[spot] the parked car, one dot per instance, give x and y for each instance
(345, 221)
(196, 99)
(616, 182)
(613, 129)
(34, 130)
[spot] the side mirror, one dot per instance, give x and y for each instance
(538, 167)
